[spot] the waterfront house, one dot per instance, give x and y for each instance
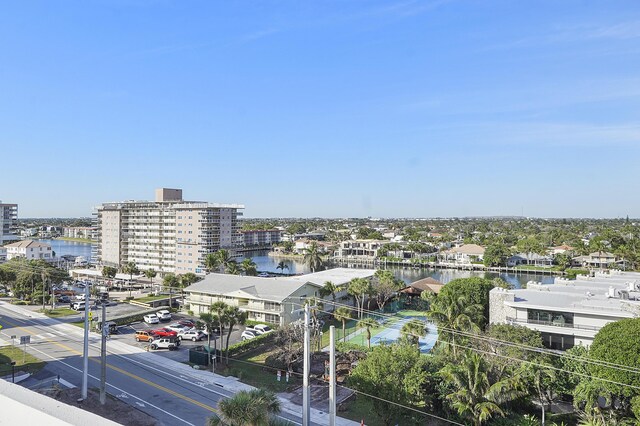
(275, 300)
(465, 254)
(30, 250)
(534, 259)
(598, 259)
(360, 249)
(428, 284)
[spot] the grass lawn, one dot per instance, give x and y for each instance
(152, 298)
(410, 313)
(58, 312)
(361, 408)
(250, 369)
(31, 364)
(79, 240)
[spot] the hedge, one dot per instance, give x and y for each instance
(128, 319)
(250, 344)
(250, 323)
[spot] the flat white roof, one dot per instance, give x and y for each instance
(23, 406)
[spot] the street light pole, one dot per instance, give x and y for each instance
(332, 375)
(306, 397)
(103, 356)
(85, 354)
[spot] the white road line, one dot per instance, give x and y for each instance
(116, 388)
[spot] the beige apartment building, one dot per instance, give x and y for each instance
(167, 235)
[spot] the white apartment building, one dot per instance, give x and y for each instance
(30, 250)
(265, 237)
(568, 312)
(275, 300)
(167, 235)
(8, 222)
(77, 232)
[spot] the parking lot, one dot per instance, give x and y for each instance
(126, 334)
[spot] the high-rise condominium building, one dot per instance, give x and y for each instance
(8, 222)
(167, 235)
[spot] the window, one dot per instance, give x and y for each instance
(558, 342)
(559, 319)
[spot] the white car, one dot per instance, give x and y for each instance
(177, 327)
(262, 329)
(164, 315)
(249, 333)
(79, 306)
(191, 334)
(151, 319)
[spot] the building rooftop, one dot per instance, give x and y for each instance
(275, 289)
(609, 297)
(28, 244)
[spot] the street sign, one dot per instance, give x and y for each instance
(90, 316)
(25, 340)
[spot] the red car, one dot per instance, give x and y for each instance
(165, 332)
(187, 323)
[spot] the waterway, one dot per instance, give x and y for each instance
(74, 248)
(267, 263)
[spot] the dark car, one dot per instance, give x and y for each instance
(64, 299)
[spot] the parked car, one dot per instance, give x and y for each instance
(165, 343)
(79, 306)
(165, 332)
(151, 319)
(164, 315)
(145, 336)
(81, 296)
(64, 299)
(263, 275)
(177, 327)
(191, 334)
(262, 329)
(249, 334)
(80, 285)
(188, 323)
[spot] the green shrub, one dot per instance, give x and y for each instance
(247, 345)
(346, 347)
(126, 299)
(252, 322)
(20, 302)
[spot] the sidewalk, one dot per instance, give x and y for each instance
(229, 385)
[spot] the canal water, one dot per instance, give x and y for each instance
(74, 248)
(267, 263)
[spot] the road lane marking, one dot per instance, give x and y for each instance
(126, 373)
(123, 392)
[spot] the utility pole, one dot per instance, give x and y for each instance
(306, 397)
(103, 356)
(332, 375)
(85, 355)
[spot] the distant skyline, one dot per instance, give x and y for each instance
(323, 109)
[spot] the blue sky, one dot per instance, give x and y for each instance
(325, 108)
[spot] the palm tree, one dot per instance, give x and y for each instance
(151, 274)
(130, 268)
(246, 408)
(219, 309)
(329, 288)
(359, 288)
(368, 323)
(209, 320)
(233, 268)
(224, 259)
(170, 281)
(234, 317)
(343, 314)
(211, 262)
(282, 266)
(186, 280)
(312, 257)
(475, 397)
(249, 267)
(413, 330)
(454, 315)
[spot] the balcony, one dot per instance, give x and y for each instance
(553, 324)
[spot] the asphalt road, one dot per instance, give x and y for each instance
(158, 388)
